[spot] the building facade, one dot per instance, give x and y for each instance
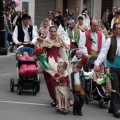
(38, 8)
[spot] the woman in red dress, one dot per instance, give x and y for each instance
(55, 49)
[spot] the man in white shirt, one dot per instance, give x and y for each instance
(92, 41)
(111, 50)
(25, 33)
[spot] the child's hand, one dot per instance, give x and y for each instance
(61, 76)
(57, 80)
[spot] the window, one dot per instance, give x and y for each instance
(25, 6)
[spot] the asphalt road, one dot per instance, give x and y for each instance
(30, 107)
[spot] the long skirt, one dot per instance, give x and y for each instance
(62, 96)
(50, 82)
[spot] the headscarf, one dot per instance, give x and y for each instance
(71, 22)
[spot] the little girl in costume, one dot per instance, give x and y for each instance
(62, 88)
(99, 77)
(43, 31)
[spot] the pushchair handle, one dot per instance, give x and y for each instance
(26, 45)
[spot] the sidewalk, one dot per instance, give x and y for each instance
(9, 54)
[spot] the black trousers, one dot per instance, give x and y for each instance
(115, 97)
(78, 101)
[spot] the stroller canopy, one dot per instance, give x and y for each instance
(28, 49)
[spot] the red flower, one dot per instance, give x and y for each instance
(72, 46)
(84, 60)
(38, 50)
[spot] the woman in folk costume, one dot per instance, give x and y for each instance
(86, 18)
(81, 25)
(60, 30)
(55, 48)
(116, 19)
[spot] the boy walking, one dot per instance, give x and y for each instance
(78, 77)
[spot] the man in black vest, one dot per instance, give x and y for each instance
(111, 50)
(25, 33)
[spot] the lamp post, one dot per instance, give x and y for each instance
(3, 50)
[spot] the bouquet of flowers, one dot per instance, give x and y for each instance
(40, 55)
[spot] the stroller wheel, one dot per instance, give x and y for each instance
(19, 89)
(38, 87)
(35, 89)
(12, 85)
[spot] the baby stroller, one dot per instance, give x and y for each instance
(93, 90)
(27, 73)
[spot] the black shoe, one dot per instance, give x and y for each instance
(110, 111)
(80, 113)
(65, 112)
(57, 109)
(53, 104)
(74, 113)
(116, 114)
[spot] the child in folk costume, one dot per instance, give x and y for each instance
(62, 88)
(78, 77)
(43, 31)
(77, 56)
(100, 76)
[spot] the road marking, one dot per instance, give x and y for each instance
(6, 74)
(24, 103)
